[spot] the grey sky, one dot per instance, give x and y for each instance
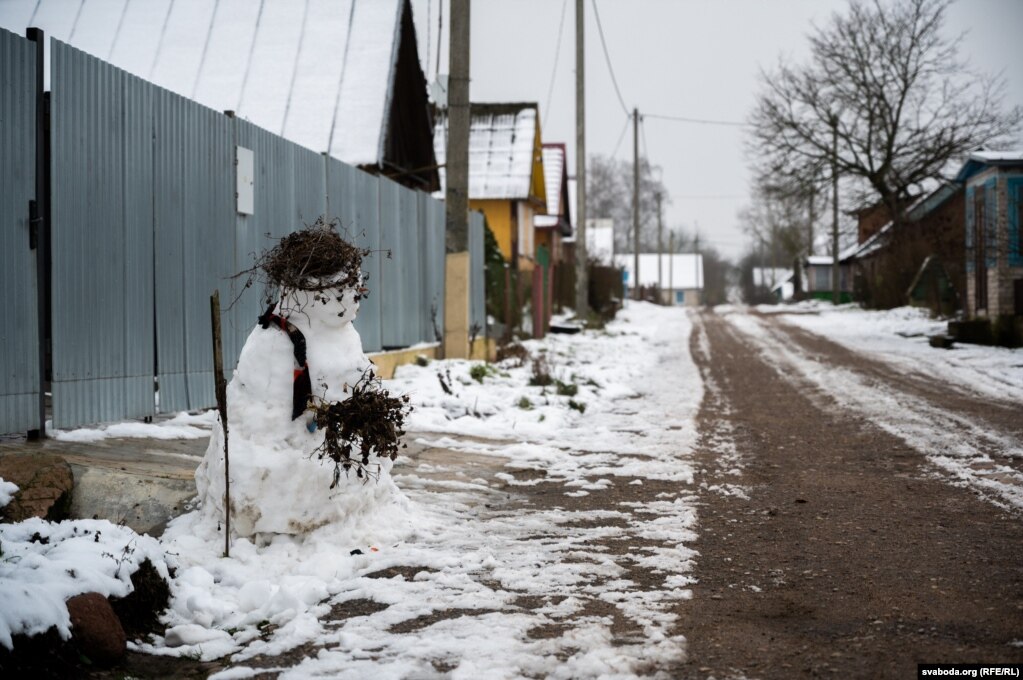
(693, 58)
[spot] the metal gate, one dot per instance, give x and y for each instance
(20, 407)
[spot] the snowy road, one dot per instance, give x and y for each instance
(876, 521)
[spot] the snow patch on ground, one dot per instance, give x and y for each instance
(900, 338)
(180, 426)
(969, 454)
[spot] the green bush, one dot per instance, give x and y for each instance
(567, 389)
(478, 372)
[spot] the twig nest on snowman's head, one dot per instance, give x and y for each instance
(315, 259)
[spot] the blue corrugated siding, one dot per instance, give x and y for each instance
(431, 302)
(477, 278)
(352, 198)
(19, 334)
(390, 255)
(146, 228)
(970, 256)
(102, 257)
(193, 222)
(1015, 206)
(991, 222)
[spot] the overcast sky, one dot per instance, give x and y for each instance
(690, 58)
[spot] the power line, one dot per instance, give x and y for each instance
(554, 71)
(607, 58)
(698, 121)
(621, 136)
(709, 197)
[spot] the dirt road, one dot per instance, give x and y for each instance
(830, 547)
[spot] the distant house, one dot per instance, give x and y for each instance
(556, 224)
(888, 263)
(338, 77)
(818, 276)
(993, 183)
(681, 276)
(506, 174)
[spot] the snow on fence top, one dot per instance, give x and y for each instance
(319, 73)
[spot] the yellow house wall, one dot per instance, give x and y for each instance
(499, 219)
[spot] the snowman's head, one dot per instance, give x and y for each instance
(328, 307)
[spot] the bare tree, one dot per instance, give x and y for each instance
(609, 194)
(903, 102)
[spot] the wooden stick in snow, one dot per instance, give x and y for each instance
(220, 386)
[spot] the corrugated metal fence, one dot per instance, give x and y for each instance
(144, 228)
(19, 332)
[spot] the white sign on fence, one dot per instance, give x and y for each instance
(245, 193)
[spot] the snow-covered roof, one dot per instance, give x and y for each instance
(553, 175)
(503, 141)
(997, 156)
(319, 73)
(682, 271)
(917, 210)
(556, 183)
(978, 160)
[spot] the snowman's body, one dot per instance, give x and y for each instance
(278, 485)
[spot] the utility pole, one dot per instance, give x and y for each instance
(699, 264)
(582, 284)
(671, 269)
(660, 244)
(457, 334)
(810, 220)
(457, 153)
(835, 285)
(635, 201)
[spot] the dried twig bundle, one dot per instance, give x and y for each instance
(315, 258)
(369, 420)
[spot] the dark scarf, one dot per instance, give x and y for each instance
(303, 387)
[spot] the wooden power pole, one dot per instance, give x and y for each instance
(635, 202)
(456, 195)
(836, 291)
(660, 246)
(457, 332)
(582, 284)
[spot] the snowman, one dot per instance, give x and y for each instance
(303, 352)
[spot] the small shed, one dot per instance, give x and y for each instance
(818, 275)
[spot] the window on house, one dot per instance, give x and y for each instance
(680, 297)
(822, 277)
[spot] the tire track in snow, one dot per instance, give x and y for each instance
(967, 453)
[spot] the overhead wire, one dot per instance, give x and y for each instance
(554, 71)
(698, 121)
(607, 58)
(621, 136)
